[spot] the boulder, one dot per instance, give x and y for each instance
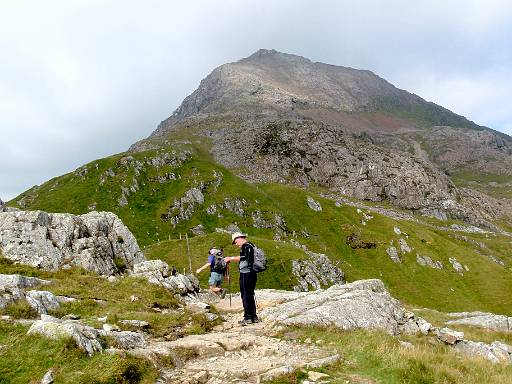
(85, 337)
(126, 339)
(361, 304)
(314, 205)
(42, 301)
(96, 241)
(21, 282)
(449, 336)
(426, 261)
(393, 254)
(157, 272)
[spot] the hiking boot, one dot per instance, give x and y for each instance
(222, 293)
(255, 320)
(245, 322)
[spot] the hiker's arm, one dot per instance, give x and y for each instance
(232, 258)
(203, 267)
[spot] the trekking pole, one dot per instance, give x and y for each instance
(229, 286)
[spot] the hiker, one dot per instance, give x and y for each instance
(218, 268)
(248, 276)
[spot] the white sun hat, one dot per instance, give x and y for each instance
(237, 234)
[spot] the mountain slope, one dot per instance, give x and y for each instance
(280, 117)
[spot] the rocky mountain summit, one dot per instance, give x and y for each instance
(277, 117)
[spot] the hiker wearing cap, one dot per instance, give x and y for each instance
(248, 276)
(218, 269)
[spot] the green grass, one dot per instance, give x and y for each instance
(25, 359)
(322, 232)
(491, 184)
(379, 357)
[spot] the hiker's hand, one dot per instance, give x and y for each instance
(198, 271)
(227, 259)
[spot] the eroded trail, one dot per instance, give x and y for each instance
(235, 354)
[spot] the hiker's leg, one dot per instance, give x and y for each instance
(251, 304)
(245, 293)
(214, 282)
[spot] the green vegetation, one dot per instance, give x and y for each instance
(374, 356)
(321, 232)
(25, 359)
(499, 186)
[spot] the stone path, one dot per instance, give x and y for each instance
(235, 354)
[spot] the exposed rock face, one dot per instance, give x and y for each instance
(362, 304)
(316, 272)
(157, 272)
(53, 241)
(483, 320)
(287, 119)
(495, 352)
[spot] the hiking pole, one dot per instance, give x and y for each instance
(229, 286)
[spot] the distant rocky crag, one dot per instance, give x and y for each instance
(284, 118)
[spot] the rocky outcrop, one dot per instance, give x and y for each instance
(96, 241)
(13, 288)
(489, 321)
(426, 261)
(157, 272)
(496, 352)
(85, 337)
(362, 304)
(315, 272)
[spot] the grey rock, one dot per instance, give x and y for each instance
(495, 352)
(157, 272)
(126, 339)
(362, 304)
(198, 230)
(314, 205)
(21, 282)
(456, 265)
(404, 247)
(449, 336)
(393, 254)
(316, 272)
(397, 230)
(426, 261)
(484, 320)
(86, 337)
(135, 323)
(48, 377)
(53, 241)
(184, 208)
(42, 301)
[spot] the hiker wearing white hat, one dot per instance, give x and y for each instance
(248, 276)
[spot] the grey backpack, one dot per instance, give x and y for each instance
(260, 260)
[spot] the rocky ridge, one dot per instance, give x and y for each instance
(291, 120)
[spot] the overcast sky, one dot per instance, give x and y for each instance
(80, 80)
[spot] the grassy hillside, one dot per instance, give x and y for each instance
(154, 180)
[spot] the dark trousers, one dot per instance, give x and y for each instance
(247, 286)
